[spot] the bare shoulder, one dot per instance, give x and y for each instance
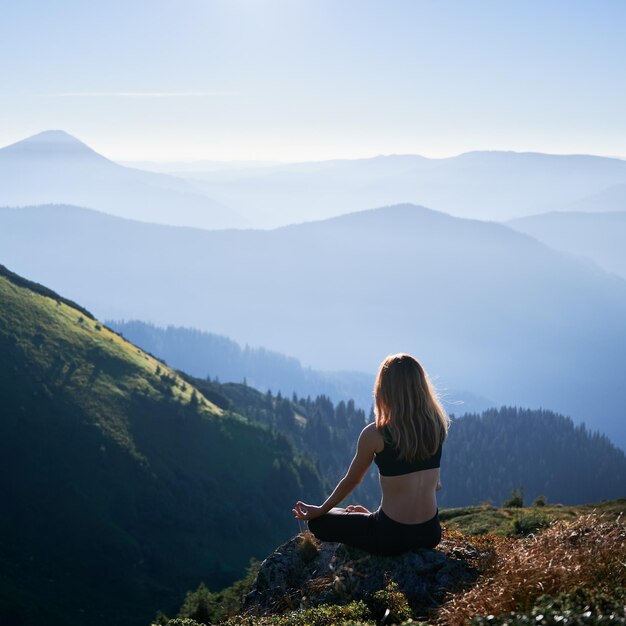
(371, 438)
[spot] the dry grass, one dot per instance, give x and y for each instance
(588, 552)
(480, 551)
(308, 546)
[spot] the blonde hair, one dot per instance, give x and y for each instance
(407, 404)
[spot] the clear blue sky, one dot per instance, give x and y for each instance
(297, 80)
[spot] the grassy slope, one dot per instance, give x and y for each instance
(477, 520)
(95, 364)
(115, 484)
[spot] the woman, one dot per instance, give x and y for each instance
(405, 441)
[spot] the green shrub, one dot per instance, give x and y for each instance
(198, 605)
(598, 601)
(183, 621)
(230, 600)
(160, 620)
(324, 615)
(392, 599)
(540, 501)
(516, 500)
(525, 524)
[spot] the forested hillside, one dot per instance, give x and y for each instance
(122, 485)
(490, 454)
(318, 428)
(485, 457)
(205, 354)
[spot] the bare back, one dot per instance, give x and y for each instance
(409, 498)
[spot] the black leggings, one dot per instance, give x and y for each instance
(375, 532)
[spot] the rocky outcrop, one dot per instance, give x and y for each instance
(304, 572)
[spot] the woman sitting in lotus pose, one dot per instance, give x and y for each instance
(405, 441)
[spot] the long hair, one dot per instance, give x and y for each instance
(407, 404)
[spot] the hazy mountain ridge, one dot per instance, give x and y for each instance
(597, 236)
(611, 199)
(492, 185)
(484, 307)
(54, 167)
(119, 479)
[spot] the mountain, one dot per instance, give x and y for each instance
(611, 199)
(54, 167)
(483, 307)
(205, 354)
(122, 485)
(598, 236)
(490, 185)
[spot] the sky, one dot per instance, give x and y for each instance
(295, 80)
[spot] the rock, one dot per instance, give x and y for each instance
(304, 573)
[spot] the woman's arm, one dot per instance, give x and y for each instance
(366, 447)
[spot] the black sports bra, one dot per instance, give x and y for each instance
(389, 463)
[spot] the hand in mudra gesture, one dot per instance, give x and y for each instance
(356, 508)
(304, 511)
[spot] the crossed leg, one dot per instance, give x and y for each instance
(353, 529)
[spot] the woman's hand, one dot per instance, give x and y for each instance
(356, 508)
(439, 486)
(304, 511)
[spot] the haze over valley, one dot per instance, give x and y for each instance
(490, 185)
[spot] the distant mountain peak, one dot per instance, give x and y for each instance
(52, 143)
(52, 136)
(401, 210)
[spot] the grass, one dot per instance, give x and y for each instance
(67, 349)
(485, 518)
(100, 367)
(325, 615)
(473, 520)
(588, 552)
(579, 607)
